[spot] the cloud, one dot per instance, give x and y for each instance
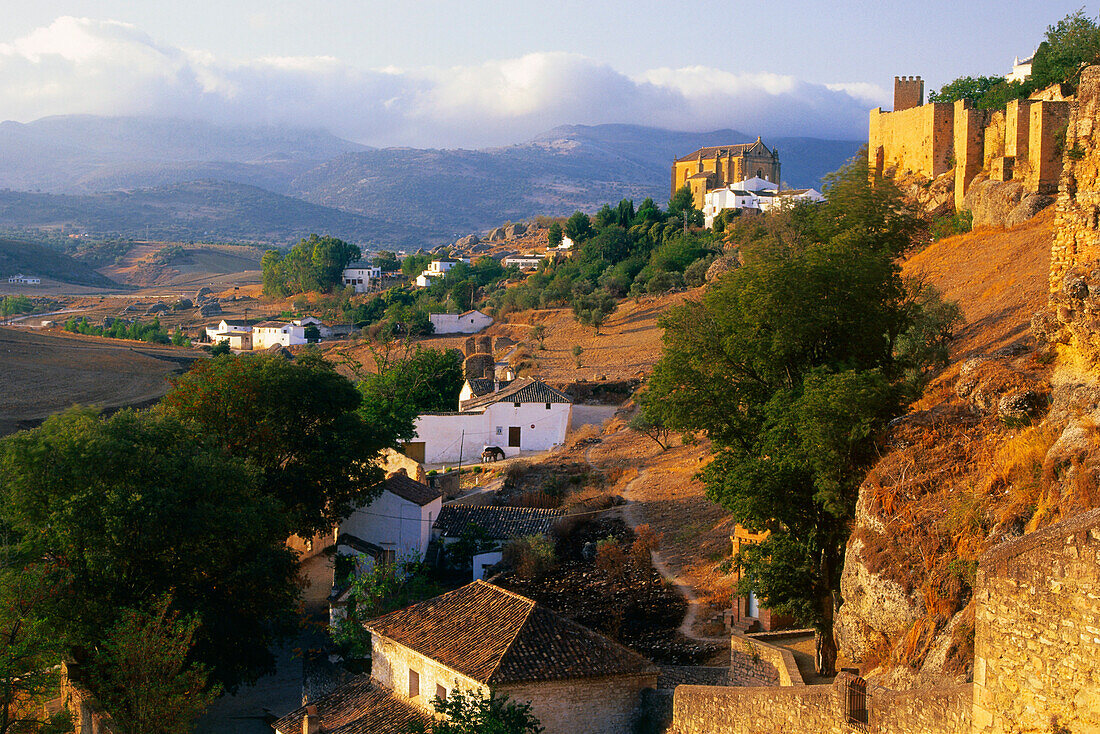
(81, 65)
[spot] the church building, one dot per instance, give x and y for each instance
(718, 166)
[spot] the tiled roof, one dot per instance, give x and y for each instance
(229, 322)
(410, 489)
(358, 707)
(499, 523)
(523, 390)
(495, 636)
(721, 151)
(271, 324)
(483, 386)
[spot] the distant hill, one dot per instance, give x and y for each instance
(199, 211)
(568, 168)
(395, 197)
(30, 259)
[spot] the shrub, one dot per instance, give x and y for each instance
(530, 556)
(611, 558)
(646, 541)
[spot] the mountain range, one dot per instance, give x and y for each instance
(185, 180)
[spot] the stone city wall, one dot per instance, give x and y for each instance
(1037, 632)
(916, 141)
(609, 705)
(755, 661)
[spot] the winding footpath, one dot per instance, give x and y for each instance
(632, 514)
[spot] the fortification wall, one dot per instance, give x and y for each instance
(968, 141)
(915, 141)
(1037, 631)
(756, 660)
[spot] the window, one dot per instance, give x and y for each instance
(440, 692)
(516, 404)
(548, 406)
(414, 683)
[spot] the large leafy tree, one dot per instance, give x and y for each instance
(296, 422)
(139, 505)
(789, 364)
(314, 263)
(407, 381)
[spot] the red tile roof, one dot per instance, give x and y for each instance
(410, 489)
(495, 636)
(522, 390)
(358, 707)
(721, 151)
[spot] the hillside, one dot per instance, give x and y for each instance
(116, 176)
(18, 256)
(199, 210)
(45, 373)
(565, 169)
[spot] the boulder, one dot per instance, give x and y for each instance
(497, 235)
(722, 266)
(1002, 203)
(278, 350)
(204, 291)
(468, 241)
(210, 309)
(158, 307)
(512, 231)
(183, 303)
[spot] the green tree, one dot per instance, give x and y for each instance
(538, 333)
(966, 88)
(681, 207)
(139, 505)
(1070, 44)
(471, 713)
(605, 217)
(30, 649)
(594, 308)
(407, 381)
(578, 227)
(577, 351)
(11, 305)
(553, 235)
(386, 260)
(789, 364)
(144, 676)
(296, 422)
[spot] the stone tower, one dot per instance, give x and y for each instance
(908, 92)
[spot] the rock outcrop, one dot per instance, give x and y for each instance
(1003, 203)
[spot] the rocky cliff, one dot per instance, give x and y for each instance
(1004, 442)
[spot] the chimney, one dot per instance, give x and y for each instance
(311, 722)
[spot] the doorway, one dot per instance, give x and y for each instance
(513, 436)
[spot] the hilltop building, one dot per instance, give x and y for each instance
(437, 269)
(718, 166)
(21, 279)
(361, 279)
(1021, 69)
(757, 194)
(470, 322)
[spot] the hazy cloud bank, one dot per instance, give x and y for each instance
(79, 65)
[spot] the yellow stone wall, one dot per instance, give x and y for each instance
(914, 141)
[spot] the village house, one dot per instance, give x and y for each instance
(437, 269)
(523, 262)
(361, 279)
(484, 639)
(470, 322)
(395, 527)
(747, 614)
(225, 328)
(755, 193)
(360, 706)
(527, 415)
(21, 279)
(494, 524)
(270, 333)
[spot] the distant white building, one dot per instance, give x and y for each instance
(269, 333)
(470, 322)
(360, 278)
(527, 415)
(225, 327)
(437, 269)
(523, 262)
(1021, 69)
(21, 279)
(756, 194)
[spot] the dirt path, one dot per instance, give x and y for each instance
(631, 512)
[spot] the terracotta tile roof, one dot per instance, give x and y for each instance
(410, 489)
(271, 325)
(361, 706)
(483, 386)
(495, 636)
(721, 151)
(522, 390)
(499, 523)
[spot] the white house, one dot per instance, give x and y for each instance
(1021, 69)
(566, 243)
(527, 415)
(437, 269)
(395, 527)
(224, 327)
(398, 523)
(21, 279)
(322, 328)
(360, 278)
(470, 322)
(269, 333)
(523, 262)
(791, 197)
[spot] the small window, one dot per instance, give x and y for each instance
(440, 692)
(516, 404)
(414, 683)
(548, 406)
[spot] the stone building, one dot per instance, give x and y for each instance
(485, 639)
(719, 166)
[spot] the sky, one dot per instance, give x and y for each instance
(460, 73)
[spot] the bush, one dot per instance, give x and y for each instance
(949, 225)
(611, 558)
(530, 556)
(646, 541)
